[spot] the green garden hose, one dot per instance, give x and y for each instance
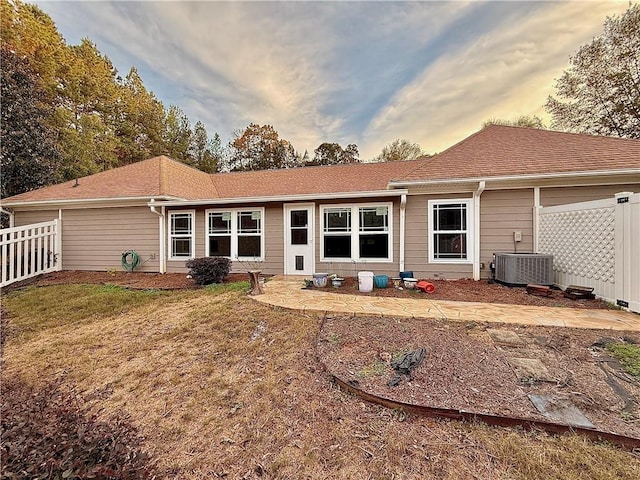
(130, 260)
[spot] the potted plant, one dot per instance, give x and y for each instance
(320, 280)
(336, 280)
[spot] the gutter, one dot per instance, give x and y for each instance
(83, 201)
(476, 229)
(285, 198)
(546, 176)
(161, 233)
(403, 221)
(11, 214)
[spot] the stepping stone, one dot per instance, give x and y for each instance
(560, 410)
(528, 369)
(505, 337)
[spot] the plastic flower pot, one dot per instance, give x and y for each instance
(410, 283)
(381, 281)
(320, 280)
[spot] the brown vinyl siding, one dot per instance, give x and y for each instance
(27, 217)
(273, 241)
(95, 238)
(349, 268)
(417, 241)
(564, 195)
(503, 212)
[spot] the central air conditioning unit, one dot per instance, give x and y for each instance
(518, 269)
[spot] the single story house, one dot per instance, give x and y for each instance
(441, 216)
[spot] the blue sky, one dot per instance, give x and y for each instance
(346, 72)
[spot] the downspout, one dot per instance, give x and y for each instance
(476, 229)
(10, 212)
(536, 218)
(403, 206)
(59, 241)
(161, 227)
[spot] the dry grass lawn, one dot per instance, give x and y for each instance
(224, 387)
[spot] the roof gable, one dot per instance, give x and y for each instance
(499, 150)
(156, 177)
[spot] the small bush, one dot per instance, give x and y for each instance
(47, 433)
(209, 270)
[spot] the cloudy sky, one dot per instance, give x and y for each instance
(346, 72)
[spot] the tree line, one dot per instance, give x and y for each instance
(66, 112)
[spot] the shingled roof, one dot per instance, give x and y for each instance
(495, 151)
(357, 177)
(499, 150)
(162, 177)
(155, 177)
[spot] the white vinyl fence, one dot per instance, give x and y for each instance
(596, 244)
(29, 250)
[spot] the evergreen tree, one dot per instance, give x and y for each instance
(28, 154)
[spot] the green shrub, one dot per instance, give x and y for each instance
(48, 434)
(209, 270)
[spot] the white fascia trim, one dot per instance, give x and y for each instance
(286, 198)
(90, 201)
(508, 178)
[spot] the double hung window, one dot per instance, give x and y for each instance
(236, 233)
(357, 232)
(181, 235)
(450, 227)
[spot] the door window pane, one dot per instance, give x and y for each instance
(299, 236)
(299, 218)
(299, 225)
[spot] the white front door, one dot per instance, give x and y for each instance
(298, 239)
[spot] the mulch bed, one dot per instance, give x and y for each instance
(468, 290)
(465, 369)
(464, 290)
(133, 280)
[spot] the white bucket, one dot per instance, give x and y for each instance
(365, 281)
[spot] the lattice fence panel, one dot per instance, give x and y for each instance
(581, 242)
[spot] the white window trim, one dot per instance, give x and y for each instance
(469, 231)
(234, 231)
(192, 213)
(355, 232)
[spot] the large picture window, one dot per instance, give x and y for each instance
(235, 233)
(450, 231)
(181, 235)
(357, 232)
